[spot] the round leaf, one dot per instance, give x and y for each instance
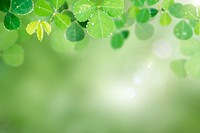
(178, 67)
(193, 66)
(62, 21)
(11, 22)
(43, 8)
(144, 31)
(143, 16)
(4, 5)
(117, 41)
(21, 7)
(14, 56)
(183, 30)
(83, 9)
(114, 8)
(176, 9)
(74, 33)
(165, 19)
(100, 25)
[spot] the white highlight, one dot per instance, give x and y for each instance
(162, 49)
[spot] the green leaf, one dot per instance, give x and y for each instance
(21, 7)
(11, 22)
(100, 25)
(57, 3)
(125, 34)
(165, 19)
(69, 14)
(178, 67)
(75, 33)
(143, 16)
(114, 8)
(117, 41)
(64, 7)
(193, 66)
(83, 24)
(120, 22)
(32, 27)
(197, 29)
(144, 31)
(13, 56)
(189, 12)
(62, 21)
(190, 47)
(175, 10)
(152, 2)
(9, 38)
(183, 31)
(133, 11)
(4, 5)
(153, 12)
(83, 10)
(167, 3)
(46, 26)
(139, 3)
(43, 8)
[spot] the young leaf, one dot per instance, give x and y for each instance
(57, 3)
(175, 10)
(32, 27)
(114, 8)
(152, 2)
(197, 29)
(117, 41)
(100, 25)
(178, 67)
(143, 16)
(4, 5)
(83, 9)
(40, 32)
(46, 26)
(9, 38)
(74, 33)
(189, 12)
(183, 31)
(13, 56)
(167, 3)
(21, 7)
(144, 31)
(62, 21)
(11, 22)
(133, 11)
(43, 8)
(165, 19)
(193, 66)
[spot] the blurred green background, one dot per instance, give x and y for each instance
(98, 90)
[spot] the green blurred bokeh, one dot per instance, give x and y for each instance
(97, 90)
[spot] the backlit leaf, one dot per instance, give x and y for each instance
(100, 25)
